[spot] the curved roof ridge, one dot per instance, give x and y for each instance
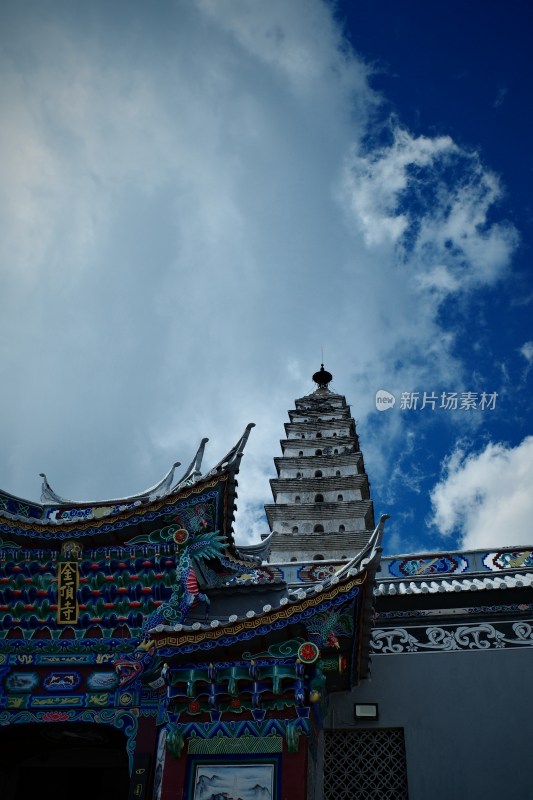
(160, 489)
(166, 485)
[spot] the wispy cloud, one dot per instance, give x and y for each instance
(527, 352)
(501, 93)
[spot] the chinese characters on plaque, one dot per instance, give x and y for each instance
(67, 592)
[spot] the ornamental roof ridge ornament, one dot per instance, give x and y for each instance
(258, 550)
(232, 459)
(160, 489)
(192, 473)
(365, 556)
(47, 493)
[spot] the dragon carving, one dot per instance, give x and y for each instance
(194, 547)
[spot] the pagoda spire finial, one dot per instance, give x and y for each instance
(322, 378)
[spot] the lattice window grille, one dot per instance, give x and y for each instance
(224, 745)
(365, 765)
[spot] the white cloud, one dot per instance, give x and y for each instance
(486, 497)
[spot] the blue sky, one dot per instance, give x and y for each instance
(195, 200)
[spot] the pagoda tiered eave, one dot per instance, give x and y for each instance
(322, 443)
(323, 484)
(321, 397)
(346, 543)
(339, 423)
(354, 458)
(340, 412)
(308, 511)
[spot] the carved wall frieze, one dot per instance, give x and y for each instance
(450, 638)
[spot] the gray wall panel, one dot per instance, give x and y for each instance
(467, 716)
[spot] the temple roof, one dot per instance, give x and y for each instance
(443, 585)
(455, 571)
(112, 521)
(351, 586)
